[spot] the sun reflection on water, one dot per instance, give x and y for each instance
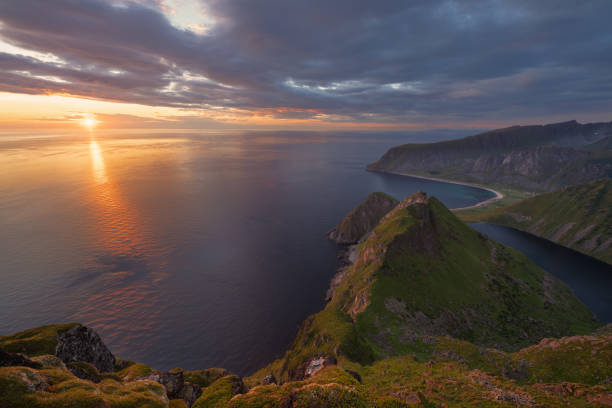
(97, 162)
(124, 277)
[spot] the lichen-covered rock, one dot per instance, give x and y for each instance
(14, 359)
(269, 379)
(311, 367)
(81, 343)
(175, 385)
(190, 393)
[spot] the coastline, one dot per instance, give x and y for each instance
(498, 195)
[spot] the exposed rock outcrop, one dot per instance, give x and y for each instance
(362, 219)
(175, 385)
(81, 343)
(311, 367)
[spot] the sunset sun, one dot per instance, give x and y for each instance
(89, 122)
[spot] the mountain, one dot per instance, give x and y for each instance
(579, 217)
(533, 158)
(421, 274)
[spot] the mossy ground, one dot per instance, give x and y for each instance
(50, 388)
(571, 371)
(34, 342)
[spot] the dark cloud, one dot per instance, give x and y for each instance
(360, 60)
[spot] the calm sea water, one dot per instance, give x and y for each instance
(589, 278)
(191, 250)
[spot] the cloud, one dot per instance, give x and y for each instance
(353, 60)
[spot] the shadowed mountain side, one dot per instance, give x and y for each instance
(534, 158)
(579, 217)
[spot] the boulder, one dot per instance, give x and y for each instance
(269, 379)
(81, 343)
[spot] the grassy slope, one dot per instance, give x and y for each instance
(545, 215)
(467, 286)
(572, 371)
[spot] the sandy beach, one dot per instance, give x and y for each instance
(498, 195)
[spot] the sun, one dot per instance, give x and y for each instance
(89, 122)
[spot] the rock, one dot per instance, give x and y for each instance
(173, 382)
(14, 359)
(190, 393)
(269, 379)
(175, 385)
(81, 343)
(362, 219)
(310, 368)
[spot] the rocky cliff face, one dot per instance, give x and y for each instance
(362, 219)
(536, 158)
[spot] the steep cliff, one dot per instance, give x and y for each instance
(534, 158)
(579, 217)
(362, 219)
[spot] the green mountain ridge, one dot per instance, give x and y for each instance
(533, 158)
(579, 217)
(422, 272)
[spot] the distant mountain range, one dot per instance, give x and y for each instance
(533, 158)
(579, 217)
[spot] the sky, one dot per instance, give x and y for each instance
(315, 64)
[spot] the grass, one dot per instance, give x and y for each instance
(584, 212)
(421, 274)
(35, 342)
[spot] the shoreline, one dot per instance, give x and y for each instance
(498, 195)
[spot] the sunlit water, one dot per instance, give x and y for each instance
(192, 250)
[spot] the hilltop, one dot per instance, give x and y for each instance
(533, 158)
(579, 217)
